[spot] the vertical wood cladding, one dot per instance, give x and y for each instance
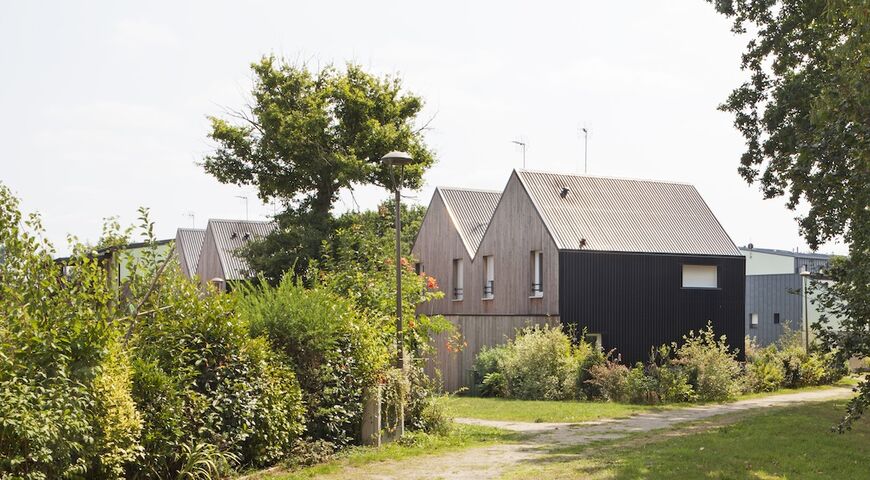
(636, 301)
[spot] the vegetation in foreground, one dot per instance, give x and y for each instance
(156, 378)
(791, 442)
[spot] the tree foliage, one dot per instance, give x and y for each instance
(308, 135)
(805, 115)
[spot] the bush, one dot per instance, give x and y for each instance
(489, 360)
(538, 365)
(711, 367)
(200, 379)
(764, 370)
(611, 380)
(494, 385)
(337, 354)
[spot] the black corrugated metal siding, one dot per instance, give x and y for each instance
(636, 301)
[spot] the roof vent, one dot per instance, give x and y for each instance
(564, 192)
(582, 242)
(246, 236)
(750, 246)
(234, 235)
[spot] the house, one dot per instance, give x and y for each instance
(776, 292)
(219, 262)
(632, 264)
(188, 244)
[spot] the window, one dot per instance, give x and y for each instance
(753, 320)
(457, 279)
(489, 275)
(776, 318)
(700, 276)
(593, 339)
(537, 263)
(418, 268)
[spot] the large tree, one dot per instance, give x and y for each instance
(805, 115)
(308, 135)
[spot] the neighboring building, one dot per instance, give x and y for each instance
(115, 260)
(219, 263)
(633, 263)
(775, 291)
(188, 244)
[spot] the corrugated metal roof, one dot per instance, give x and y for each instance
(188, 243)
(622, 215)
(471, 211)
(229, 236)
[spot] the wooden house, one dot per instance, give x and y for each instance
(632, 264)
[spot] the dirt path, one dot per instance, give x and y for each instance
(489, 462)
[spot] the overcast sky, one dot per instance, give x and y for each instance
(105, 103)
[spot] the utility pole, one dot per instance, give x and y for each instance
(522, 144)
(246, 205)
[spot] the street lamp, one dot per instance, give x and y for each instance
(805, 276)
(392, 160)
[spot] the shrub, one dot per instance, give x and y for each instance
(711, 367)
(764, 370)
(538, 364)
(611, 380)
(200, 379)
(119, 424)
(494, 385)
(489, 360)
(336, 352)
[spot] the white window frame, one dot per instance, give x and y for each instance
(537, 264)
(698, 276)
(489, 277)
(597, 341)
(458, 280)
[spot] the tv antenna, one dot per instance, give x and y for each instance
(522, 144)
(192, 219)
(585, 149)
(243, 197)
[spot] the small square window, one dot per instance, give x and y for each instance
(776, 318)
(753, 320)
(593, 339)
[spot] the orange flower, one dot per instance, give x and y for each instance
(432, 283)
(411, 323)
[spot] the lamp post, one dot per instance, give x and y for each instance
(392, 160)
(805, 275)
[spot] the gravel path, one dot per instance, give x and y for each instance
(489, 462)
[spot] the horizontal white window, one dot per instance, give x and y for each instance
(700, 276)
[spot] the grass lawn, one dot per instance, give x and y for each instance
(541, 410)
(576, 411)
(460, 437)
(781, 443)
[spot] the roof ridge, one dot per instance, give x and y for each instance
(606, 177)
(468, 189)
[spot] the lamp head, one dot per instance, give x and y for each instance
(398, 158)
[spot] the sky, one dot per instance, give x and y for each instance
(105, 104)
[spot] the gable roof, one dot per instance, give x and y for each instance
(229, 236)
(188, 243)
(471, 211)
(622, 215)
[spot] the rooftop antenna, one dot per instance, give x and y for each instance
(192, 219)
(522, 144)
(585, 150)
(246, 204)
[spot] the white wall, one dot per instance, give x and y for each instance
(758, 263)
